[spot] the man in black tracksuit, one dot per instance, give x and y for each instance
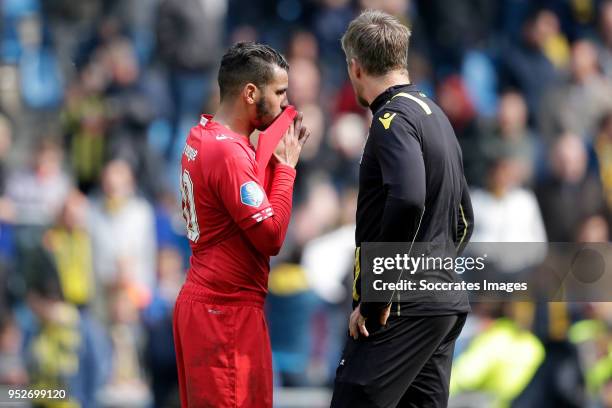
(411, 189)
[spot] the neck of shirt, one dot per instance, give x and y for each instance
(384, 97)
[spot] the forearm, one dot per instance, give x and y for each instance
(268, 235)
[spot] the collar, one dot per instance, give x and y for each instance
(384, 97)
(204, 119)
(208, 121)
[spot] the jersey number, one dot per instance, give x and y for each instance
(189, 211)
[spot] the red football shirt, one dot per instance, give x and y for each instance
(221, 198)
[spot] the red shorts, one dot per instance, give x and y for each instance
(222, 350)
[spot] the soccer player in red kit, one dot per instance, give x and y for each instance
(221, 338)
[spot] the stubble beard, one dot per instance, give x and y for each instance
(264, 116)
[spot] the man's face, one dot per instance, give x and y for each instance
(354, 76)
(272, 100)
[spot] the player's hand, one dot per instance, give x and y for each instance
(384, 315)
(357, 324)
(290, 146)
(357, 321)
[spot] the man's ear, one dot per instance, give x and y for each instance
(355, 68)
(250, 93)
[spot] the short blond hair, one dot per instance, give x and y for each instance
(378, 41)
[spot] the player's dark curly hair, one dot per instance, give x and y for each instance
(248, 62)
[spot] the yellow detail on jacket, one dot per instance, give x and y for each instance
(386, 119)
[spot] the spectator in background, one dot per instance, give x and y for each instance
(578, 19)
(318, 160)
(126, 381)
(85, 125)
(130, 113)
(317, 122)
(555, 46)
(310, 345)
(329, 21)
(69, 243)
(39, 191)
(291, 339)
(483, 368)
(137, 17)
(605, 37)
(189, 40)
(592, 336)
(303, 44)
(123, 234)
(508, 212)
(578, 105)
(68, 23)
(455, 27)
(12, 364)
(169, 224)
(305, 83)
(594, 228)
(318, 213)
(455, 101)
(6, 140)
(7, 211)
(344, 101)
(400, 9)
(526, 66)
(157, 320)
(328, 262)
(603, 151)
(39, 72)
(347, 135)
(305, 93)
(36, 194)
(510, 133)
(53, 351)
(571, 194)
(421, 72)
(63, 353)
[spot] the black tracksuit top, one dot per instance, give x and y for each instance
(411, 184)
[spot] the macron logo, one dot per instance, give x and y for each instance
(222, 137)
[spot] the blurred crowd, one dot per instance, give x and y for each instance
(97, 96)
